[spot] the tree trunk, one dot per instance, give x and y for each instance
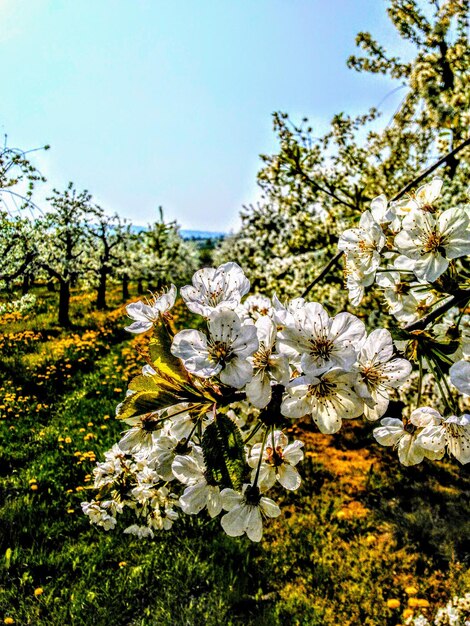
(140, 287)
(101, 294)
(50, 285)
(25, 285)
(125, 288)
(64, 303)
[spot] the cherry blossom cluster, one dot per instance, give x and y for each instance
(210, 415)
(409, 249)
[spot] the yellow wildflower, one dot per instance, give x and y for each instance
(393, 603)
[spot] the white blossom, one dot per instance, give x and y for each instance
(356, 290)
(224, 353)
(142, 532)
(452, 433)
(379, 372)
(278, 463)
(99, 513)
(213, 289)
(460, 376)
(245, 512)
(423, 199)
(407, 301)
(328, 398)
(163, 451)
(181, 423)
(199, 494)
(393, 432)
(433, 242)
(267, 366)
(145, 315)
(322, 342)
(258, 306)
(284, 314)
(383, 212)
(362, 247)
(141, 434)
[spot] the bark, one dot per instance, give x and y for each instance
(64, 303)
(125, 288)
(101, 293)
(25, 284)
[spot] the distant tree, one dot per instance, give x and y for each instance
(64, 236)
(18, 177)
(18, 249)
(164, 256)
(107, 252)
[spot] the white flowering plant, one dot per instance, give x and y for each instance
(208, 417)
(23, 305)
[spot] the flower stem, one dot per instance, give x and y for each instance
(438, 382)
(420, 382)
(253, 432)
(255, 482)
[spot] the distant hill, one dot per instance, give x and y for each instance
(189, 234)
(201, 234)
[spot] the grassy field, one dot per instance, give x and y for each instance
(363, 542)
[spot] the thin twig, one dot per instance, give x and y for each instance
(456, 300)
(323, 190)
(429, 170)
(324, 271)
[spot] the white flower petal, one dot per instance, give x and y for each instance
(289, 477)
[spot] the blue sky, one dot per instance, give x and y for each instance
(169, 102)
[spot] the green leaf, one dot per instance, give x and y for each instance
(143, 402)
(160, 354)
(224, 453)
(151, 383)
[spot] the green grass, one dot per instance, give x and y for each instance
(359, 531)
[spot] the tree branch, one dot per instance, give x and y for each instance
(429, 170)
(456, 300)
(398, 195)
(331, 263)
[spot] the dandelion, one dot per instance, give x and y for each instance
(393, 603)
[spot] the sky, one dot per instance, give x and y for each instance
(169, 102)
